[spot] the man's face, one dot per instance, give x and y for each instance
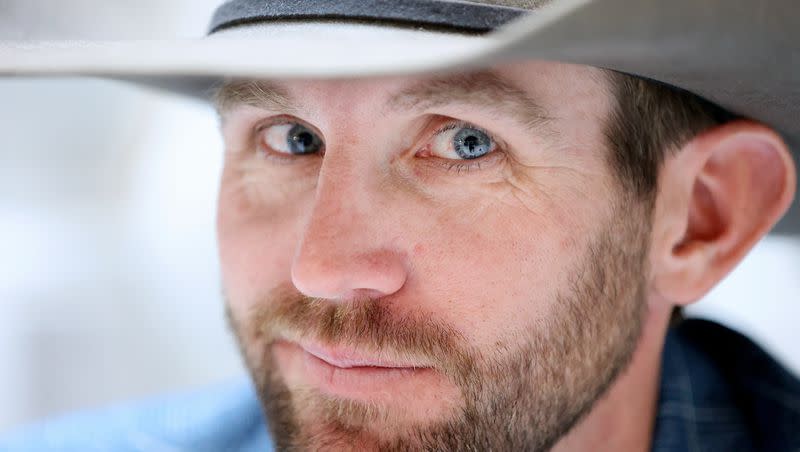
(429, 261)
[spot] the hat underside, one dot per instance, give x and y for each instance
(735, 54)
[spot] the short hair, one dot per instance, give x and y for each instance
(650, 121)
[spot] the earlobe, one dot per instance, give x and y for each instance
(721, 194)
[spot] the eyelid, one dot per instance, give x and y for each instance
(458, 124)
(282, 157)
(285, 119)
(455, 124)
(460, 165)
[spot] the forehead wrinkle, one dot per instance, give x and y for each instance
(481, 89)
(264, 94)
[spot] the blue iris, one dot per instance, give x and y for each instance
(301, 140)
(471, 143)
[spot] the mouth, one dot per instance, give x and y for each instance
(349, 373)
(349, 358)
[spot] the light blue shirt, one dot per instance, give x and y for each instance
(224, 417)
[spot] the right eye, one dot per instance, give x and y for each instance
(290, 138)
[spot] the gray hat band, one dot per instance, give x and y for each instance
(444, 15)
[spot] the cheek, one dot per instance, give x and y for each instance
(487, 262)
(489, 271)
(250, 263)
(256, 244)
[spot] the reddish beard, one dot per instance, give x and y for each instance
(522, 398)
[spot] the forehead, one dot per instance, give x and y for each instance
(542, 89)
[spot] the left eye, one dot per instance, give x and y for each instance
(462, 142)
(292, 139)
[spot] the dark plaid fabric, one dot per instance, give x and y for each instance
(720, 392)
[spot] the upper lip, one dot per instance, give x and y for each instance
(346, 358)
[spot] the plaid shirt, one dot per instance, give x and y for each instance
(719, 393)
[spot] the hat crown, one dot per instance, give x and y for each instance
(472, 17)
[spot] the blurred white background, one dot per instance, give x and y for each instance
(109, 286)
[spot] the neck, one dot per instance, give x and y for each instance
(623, 419)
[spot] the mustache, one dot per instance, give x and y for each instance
(369, 325)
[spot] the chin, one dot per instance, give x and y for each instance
(308, 419)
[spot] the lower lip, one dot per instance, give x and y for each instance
(355, 382)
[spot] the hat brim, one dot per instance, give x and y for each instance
(281, 50)
(744, 58)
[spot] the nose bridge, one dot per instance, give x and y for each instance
(345, 193)
(339, 193)
(344, 250)
(343, 181)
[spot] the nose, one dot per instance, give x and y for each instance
(346, 250)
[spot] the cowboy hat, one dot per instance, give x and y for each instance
(740, 54)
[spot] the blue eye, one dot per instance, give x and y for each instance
(303, 141)
(471, 143)
(292, 139)
(462, 142)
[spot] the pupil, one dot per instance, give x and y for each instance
(471, 144)
(303, 141)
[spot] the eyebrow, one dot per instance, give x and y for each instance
(483, 89)
(255, 93)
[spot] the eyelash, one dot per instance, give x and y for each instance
(263, 150)
(467, 165)
(448, 165)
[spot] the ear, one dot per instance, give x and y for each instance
(717, 197)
